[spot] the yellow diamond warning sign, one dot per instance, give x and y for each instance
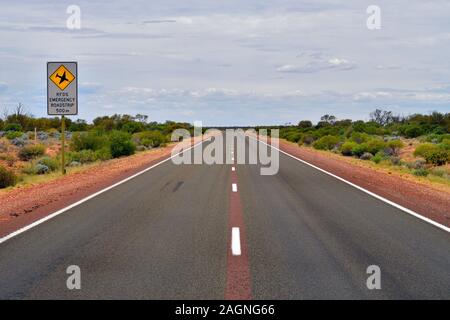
(62, 77)
(62, 88)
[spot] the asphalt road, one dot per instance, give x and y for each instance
(165, 235)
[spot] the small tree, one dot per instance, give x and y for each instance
(328, 119)
(305, 124)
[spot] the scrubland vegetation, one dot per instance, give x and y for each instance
(31, 146)
(417, 144)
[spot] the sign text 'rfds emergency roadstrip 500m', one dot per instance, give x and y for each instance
(62, 88)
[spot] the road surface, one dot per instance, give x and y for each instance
(166, 234)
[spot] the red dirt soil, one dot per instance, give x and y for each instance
(428, 201)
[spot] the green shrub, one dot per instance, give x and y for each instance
(31, 151)
(359, 149)
(438, 172)
(51, 163)
(424, 148)
(326, 143)
(13, 134)
(445, 144)
(103, 154)
(395, 146)
(413, 131)
(82, 156)
(91, 140)
(121, 144)
(438, 157)
(150, 138)
(293, 136)
(347, 147)
(133, 127)
(420, 172)
(359, 137)
(7, 178)
(12, 127)
(375, 145)
(378, 157)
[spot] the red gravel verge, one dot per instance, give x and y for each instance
(430, 202)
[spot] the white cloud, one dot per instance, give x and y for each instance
(245, 61)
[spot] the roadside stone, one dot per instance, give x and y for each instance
(366, 156)
(42, 169)
(74, 164)
(18, 142)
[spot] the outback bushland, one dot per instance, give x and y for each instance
(24, 153)
(419, 144)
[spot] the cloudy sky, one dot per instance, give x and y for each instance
(233, 62)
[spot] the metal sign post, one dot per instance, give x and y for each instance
(62, 95)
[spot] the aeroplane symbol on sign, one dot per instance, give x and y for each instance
(62, 77)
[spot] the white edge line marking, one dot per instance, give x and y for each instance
(234, 187)
(415, 214)
(235, 241)
(54, 214)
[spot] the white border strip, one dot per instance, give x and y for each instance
(415, 214)
(51, 216)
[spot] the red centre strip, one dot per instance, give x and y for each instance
(238, 270)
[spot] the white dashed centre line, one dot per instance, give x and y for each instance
(233, 169)
(235, 242)
(234, 187)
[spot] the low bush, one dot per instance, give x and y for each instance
(445, 144)
(396, 161)
(103, 154)
(121, 144)
(359, 137)
(438, 157)
(88, 141)
(359, 149)
(420, 172)
(326, 142)
(13, 127)
(150, 138)
(395, 146)
(13, 134)
(413, 131)
(347, 147)
(418, 164)
(7, 178)
(82, 156)
(378, 157)
(51, 163)
(294, 136)
(31, 151)
(424, 148)
(375, 145)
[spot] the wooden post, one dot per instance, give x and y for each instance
(35, 135)
(63, 142)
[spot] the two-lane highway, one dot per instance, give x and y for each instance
(166, 235)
